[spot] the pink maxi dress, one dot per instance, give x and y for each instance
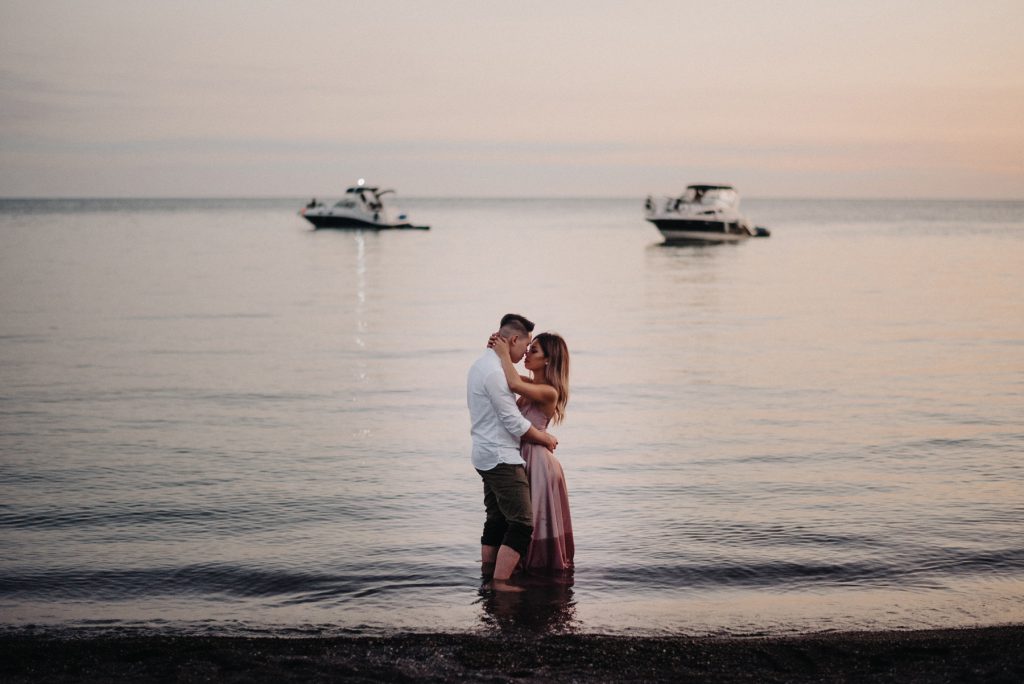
(552, 548)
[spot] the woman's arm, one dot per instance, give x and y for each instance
(545, 439)
(537, 393)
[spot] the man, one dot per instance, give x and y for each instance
(497, 427)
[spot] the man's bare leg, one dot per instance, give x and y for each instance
(488, 555)
(504, 566)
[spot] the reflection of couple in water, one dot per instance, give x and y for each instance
(527, 529)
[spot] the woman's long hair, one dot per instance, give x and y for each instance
(556, 370)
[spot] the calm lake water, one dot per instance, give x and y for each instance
(215, 419)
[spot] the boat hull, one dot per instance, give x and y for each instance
(327, 221)
(688, 230)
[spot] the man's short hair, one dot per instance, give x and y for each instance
(520, 324)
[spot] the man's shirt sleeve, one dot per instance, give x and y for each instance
(504, 403)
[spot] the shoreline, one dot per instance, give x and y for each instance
(988, 654)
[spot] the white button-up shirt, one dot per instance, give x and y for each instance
(496, 423)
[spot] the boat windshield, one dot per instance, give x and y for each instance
(711, 196)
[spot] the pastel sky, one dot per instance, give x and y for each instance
(787, 98)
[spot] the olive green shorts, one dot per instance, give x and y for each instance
(509, 511)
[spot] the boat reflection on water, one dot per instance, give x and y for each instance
(548, 606)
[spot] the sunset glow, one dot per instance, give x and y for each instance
(873, 99)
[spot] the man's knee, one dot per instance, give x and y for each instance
(517, 537)
(494, 531)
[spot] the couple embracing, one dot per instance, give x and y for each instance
(525, 496)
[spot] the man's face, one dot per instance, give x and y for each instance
(517, 346)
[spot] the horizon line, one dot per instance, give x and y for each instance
(4, 198)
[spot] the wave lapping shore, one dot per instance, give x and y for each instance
(987, 654)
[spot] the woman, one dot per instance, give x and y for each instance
(542, 399)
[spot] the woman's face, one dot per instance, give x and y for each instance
(534, 359)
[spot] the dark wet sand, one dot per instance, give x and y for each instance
(993, 654)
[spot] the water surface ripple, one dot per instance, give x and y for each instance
(214, 419)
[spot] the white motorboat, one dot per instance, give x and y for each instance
(361, 207)
(704, 213)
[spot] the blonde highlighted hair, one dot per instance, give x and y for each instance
(556, 369)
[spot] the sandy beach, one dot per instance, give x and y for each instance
(990, 654)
